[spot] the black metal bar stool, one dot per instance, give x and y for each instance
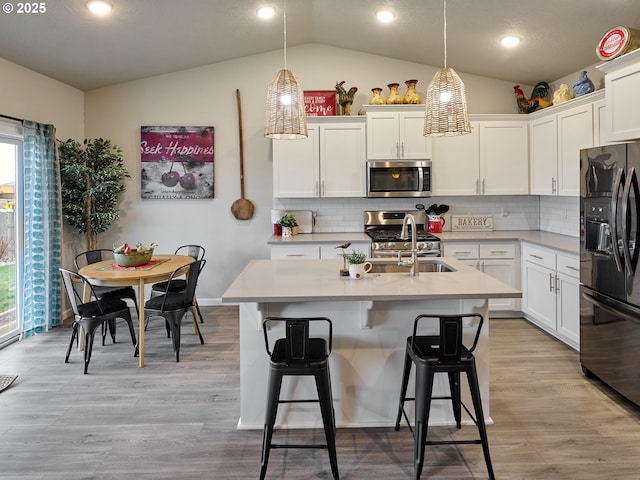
(444, 353)
(297, 354)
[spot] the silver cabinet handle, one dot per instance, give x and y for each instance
(551, 282)
(498, 251)
(557, 284)
(553, 185)
(295, 254)
(535, 256)
(572, 268)
(462, 253)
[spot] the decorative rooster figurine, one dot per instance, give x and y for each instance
(345, 99)
(539, 98)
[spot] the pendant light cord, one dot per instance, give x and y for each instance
(285, 33)
(445, 33)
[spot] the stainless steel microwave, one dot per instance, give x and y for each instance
(402, 178)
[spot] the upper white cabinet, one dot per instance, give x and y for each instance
(396, 133)
(557, 134)
(492, 160)
(622, 83)
(330, 162)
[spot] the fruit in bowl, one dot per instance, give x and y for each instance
(126, 256)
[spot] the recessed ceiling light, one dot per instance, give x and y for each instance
(385, 16)
(510, 41)
(99, 7)
(266, 12)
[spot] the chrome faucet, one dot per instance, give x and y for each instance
(413, 263)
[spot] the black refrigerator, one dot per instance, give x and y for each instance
(609, 274)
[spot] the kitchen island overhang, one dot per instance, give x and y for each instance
(372, 318)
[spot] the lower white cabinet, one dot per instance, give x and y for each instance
(500, 260)
(314, 251)
(550, 292)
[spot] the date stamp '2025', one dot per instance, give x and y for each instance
(24, 7)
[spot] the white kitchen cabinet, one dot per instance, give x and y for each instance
(397, 135)
(550, 287)
(557, 134)
(314, 251)
(492, 160)
(622, 83)
(497, 259)
(600, 134)
(330, 162)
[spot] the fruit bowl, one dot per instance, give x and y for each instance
(134, 259)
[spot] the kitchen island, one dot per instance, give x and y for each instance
(372, 318)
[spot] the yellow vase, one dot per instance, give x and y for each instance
(376, 98)
(394, 97)
(412, 96)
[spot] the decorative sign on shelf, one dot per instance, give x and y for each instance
(320, 103)
(462, 223)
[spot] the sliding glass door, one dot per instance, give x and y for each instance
(10, 234)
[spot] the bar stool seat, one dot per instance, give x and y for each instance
(297, 354)
(442, 353)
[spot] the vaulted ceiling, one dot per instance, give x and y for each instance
(142, 38)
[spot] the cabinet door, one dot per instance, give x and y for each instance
(575, 131)
(455, 164)
(382, 136)
(504, 158)
(544, 155)
(568, 314)
(413, 144)
(539, 296)
(342, 160)
(295, 252)
(623, 102)
(295, 166)
(600, 133)
(505, 271)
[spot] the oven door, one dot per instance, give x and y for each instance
(399, 179)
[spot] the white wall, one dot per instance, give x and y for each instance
(206, 96)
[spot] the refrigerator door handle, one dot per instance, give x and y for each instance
(620, 179)
(625, 313)
(630, 257)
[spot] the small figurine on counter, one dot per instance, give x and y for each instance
(583, 86)
(562, 94)
(539, 98)
(345, 99)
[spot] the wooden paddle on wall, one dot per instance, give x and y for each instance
(242, 208)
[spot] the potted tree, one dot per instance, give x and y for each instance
(92, 175)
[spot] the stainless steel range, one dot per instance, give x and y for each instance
(383, 226)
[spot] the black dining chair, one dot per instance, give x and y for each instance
(98, 255)
(179, 284)
(173, 306)
(92, 314)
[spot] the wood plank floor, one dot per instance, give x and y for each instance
(177, 420)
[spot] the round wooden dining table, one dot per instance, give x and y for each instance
(159, 268)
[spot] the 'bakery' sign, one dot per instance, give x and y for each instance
(471, 222)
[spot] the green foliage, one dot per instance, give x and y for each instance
(355, 257)
(288, 221)
(92, 175)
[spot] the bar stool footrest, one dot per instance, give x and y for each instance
(289, 445)
(453, 442)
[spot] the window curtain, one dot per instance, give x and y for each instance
(42, 230)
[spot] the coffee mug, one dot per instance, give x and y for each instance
(357, 270)
(435, 223)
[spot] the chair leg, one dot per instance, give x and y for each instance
(132, 332)
(88, 348)
(454, 387)
(472, 377)
(74, 333)
(199, 312)
(323, 384)
(112, 330)
(273, 396)
(406, 372)
(424, 388)
(175, 332)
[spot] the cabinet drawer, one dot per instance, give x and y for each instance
(539, 257)
(497, 250)
(295, 252)
(569, 265)
(461, 250)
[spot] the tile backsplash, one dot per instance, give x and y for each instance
(518, 212)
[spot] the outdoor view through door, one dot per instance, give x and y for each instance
(9, 247)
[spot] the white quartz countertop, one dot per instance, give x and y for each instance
(337, 238)
(319, 280)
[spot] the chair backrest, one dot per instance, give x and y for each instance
(450, 338)
(297, 341)
(92, 256)
(194, 251)
(69, 279)
(192, 272)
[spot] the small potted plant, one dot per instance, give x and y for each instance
(358, 264)
(355, 257)
(289, 225)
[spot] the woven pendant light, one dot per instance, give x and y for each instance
(446, 113)
(285, 117)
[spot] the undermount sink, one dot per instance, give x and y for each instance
(424, 265)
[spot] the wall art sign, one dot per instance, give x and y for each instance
(177, 162)
(320, 103)
(471, 222)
